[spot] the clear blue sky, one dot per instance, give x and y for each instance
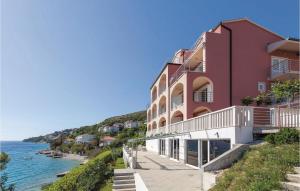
(66, 63)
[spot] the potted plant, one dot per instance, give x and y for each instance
(259, 99)
(247, 100)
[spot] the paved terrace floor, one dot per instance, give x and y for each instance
(163, 174)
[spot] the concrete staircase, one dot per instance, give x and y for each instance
(124, 180)
(293, 183)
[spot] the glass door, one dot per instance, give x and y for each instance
(204, 153)
(192, 152)
(176, 149)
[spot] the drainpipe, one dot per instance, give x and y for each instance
(230, 62)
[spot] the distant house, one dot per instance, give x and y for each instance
(85, 138)
(106, 140)
(68, 141)
(111, 129)
(120, 125)
(132, 124)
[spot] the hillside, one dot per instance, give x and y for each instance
(92, 129)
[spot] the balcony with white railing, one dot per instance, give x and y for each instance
(284, 69)
(203, 96)
(176, 101)
(184, 68)
(236, 116)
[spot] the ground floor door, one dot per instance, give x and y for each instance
(174, 148)
(192, 152)
(162, 146)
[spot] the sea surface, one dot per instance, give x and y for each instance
(28, 170)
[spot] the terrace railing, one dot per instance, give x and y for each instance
(186, 68)
(236, 116)
(284, 67)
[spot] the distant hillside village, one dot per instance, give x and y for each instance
(89, 140)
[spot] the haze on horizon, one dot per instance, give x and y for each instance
(66, 64)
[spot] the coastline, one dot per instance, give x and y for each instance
(82, 159)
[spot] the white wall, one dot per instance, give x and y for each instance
(235, 134)
(152, 145)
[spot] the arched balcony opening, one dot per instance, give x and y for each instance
(162, 84)
(154, 111)
(162, 122)
(154, 94)
(162, 105)
(202, 90)
(154, 126)
(149, 115)
(200, 111)
(177, 96)
(177, 116)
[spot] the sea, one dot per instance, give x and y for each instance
(27, 170)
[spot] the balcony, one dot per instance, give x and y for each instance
(284, 69)
(162, 111)
(184, 68)
(177, 101)
(203, 96)
(235, 116)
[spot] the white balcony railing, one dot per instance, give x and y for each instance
(162, 89)
(235, 116)
(176, 101)
(285, 66)
(162, 111)
(203, 96)
(187, 68)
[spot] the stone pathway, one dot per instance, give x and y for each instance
(163, 174)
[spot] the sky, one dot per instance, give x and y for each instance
(70, 63)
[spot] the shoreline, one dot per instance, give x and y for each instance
(67, 156)
(82, 159)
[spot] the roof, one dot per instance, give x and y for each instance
(248, 20)
(168, 63)
(108, 138)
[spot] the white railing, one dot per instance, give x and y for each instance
(128, 157)
(284, 66)
(161, 89)
(236, 116)
(285, 117)
(176, 101)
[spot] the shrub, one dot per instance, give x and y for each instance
(247, 100)
(285, 136)
(85, 177)
(259, 99)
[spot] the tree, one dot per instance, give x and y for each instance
(286, 89)
(4, 159)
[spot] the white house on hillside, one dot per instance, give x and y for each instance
(110, 129)
(85, 138)
(132, 124)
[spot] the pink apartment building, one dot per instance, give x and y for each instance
(195, 99)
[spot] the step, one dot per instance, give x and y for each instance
(124, 189)
(129, 181)
(121, 186)
(123, 177)
(291, 186)
(297, 170)
(293, 178)
(123, 174)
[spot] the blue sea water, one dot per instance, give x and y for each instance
(28, 170)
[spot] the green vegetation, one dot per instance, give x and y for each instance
(263, 167)
(119, 164)
(247, 101)
(286, 89)
(280, 91)
(4, 159)
(285, 136)
(86, 177)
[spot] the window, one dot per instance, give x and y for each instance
(261, 86)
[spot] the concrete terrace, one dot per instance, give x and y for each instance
(163, 174)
